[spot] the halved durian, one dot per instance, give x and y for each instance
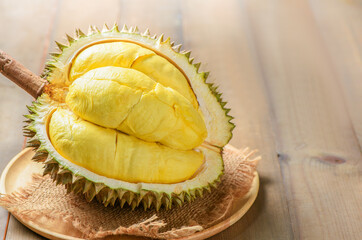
(128, 117)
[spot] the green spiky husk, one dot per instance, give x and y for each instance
(35, 131)
(98, 190)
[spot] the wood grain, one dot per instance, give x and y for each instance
(81, 14)
(166, 18)
(23, 36)
(290, 70)
(226, 48)
(68, 15)
(320, 156)
(339, 25)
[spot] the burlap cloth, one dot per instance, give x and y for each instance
(43, 199)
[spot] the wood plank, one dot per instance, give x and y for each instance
(24, 37)
(340, 25)
(70, 15)
(81, 14)
(222, 40)
(320, 156)
(160, 16)
(17, 231)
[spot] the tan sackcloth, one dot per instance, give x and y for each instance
(44, 199)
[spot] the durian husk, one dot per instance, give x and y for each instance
(134, 195)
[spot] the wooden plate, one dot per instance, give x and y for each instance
(19, 172)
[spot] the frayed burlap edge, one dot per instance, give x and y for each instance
(148, 227)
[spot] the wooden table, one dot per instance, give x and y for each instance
(290, 70)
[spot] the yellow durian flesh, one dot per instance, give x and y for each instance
(131, 55)
(133, 103)
(136, 116)
(116, 155)
(119, 54)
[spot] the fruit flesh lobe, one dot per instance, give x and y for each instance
(116, 155)
(129, 121)
(130, 55)
(133, 103)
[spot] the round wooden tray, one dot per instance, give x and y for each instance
(18, 173)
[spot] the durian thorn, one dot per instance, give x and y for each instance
(90, 30)
(206, 75)
(120, 193)
(53, 54)
(146, 33)
(197, 65)
(99, 187)
(123, 201)
(105, 28)
(50, 160)
(160, 39)
(76, 178)
(34, 140)
(208, 188)
(178, 201)
(114, 199)
(144, 205)
(133, 205)
(168, 41)
(181, 196)
(90, 195)
(131, 29)
(60, 45)
(30, 108)
(40, 156)
(200, 192)
(28, 133)
(69, 38)
(87, 186)
(149, 202)
(110, 195)
(142, 195)
(50, 65)
(63, 171)
(79, 33)
(115, 27)
(124, 28)
(186, 53)
(130, 197)
(177, 48)
(97, 29)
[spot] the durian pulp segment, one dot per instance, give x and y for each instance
(134, 116)
(133, 103)
(131, 55)
(110, 153)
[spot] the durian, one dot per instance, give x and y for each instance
(128, 118)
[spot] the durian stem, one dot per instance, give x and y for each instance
(20, 75)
